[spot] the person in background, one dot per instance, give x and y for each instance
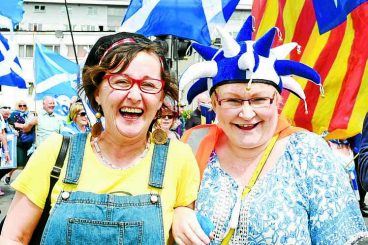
(24, 123)
(344, 150)
(126, 187)
(79, 121)
(166, 122)
(73, 100)
(195, 118)
(4, 144)
(182, 120)
(263, 181)
(363, 156)
(355, 146)
(48, 122)
(5, 111)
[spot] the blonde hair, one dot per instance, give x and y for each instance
(21, 102)
(74, 110)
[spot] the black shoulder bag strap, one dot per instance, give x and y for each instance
(55, 173)
(37, 234)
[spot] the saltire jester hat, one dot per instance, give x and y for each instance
(245, 61)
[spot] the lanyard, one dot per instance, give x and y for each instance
(236, 211)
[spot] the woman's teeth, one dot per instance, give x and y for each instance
(131, 110)
(247, 126)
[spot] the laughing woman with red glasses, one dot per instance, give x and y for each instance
(79, 120)
(119, 185)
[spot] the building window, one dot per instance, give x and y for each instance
(92, 11)
(25, 50)
(34, 27)
(88, 28)
(63, 10)
(239, 15)
(39, 8)
(55, 48)
(116, 11)
(82, 50)
(66, 27)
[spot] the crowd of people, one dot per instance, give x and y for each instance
(151, 175)
(31, 129)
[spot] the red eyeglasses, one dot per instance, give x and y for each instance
(124, 82)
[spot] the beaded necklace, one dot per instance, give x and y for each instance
(107, 163)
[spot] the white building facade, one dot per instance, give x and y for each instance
(46, 22)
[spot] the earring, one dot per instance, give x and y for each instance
(97, 127)
(159, 136)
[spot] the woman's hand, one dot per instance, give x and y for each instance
(186, 229)
(7, 156)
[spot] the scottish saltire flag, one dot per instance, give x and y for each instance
(55, 76)
(11, 73)
(208, 116)
(188, 19)
(331, 13)
(11, 13)
(340, 56)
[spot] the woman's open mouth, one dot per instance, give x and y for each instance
(247, 126)
(131, 113)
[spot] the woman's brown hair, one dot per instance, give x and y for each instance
(104, 56)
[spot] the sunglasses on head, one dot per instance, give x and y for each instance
(22, 105)
(82, 114)
(6, 107)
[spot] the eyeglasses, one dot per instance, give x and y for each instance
(22, 106)
(235, 103)
(168, 116)
(6, 107)
(124, 82)
(82, 114)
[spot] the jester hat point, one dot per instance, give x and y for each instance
(242, 60)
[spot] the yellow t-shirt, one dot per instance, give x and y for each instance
(180, 184)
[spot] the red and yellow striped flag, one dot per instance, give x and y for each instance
(340, 57)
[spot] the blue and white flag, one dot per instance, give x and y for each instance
(55, 76)
(11, 73)
(208, 116)
(188, 19)
(331, 13)
(11, 13)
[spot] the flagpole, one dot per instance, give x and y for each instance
(71, 32)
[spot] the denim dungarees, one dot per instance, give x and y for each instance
(89, 218)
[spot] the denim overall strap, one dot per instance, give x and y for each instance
(75, 159)
(158, 165)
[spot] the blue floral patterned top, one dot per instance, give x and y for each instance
(306, 198)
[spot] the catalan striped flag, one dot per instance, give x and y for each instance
(340, 57)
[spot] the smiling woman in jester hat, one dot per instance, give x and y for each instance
(262, 180)
(119, 185)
